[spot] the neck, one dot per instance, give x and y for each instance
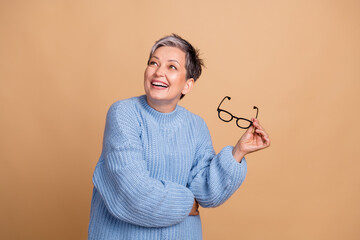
(161, 106)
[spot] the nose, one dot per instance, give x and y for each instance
(160, 72)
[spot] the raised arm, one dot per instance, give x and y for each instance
(214, 178)
(123, 181)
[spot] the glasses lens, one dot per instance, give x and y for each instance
(243, 123)
(225, 116)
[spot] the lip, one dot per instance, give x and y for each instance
(159, 82)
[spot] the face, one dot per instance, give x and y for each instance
(165, 77)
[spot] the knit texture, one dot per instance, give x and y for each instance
(152, 167)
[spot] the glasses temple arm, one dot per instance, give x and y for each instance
(223, 100)
(257, 111)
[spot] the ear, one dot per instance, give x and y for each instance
(188, 86)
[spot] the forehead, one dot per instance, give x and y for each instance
(166, 53)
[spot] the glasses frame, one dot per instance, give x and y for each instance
(232, 116)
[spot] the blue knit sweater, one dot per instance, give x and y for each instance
(152, 167)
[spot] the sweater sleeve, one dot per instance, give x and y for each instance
(214, 178)
(124, 183)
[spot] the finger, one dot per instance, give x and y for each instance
(250, 129)
(261, 132)
(264, 137)
(256, 123)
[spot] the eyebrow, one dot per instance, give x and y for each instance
(171, 60)
(174, 61)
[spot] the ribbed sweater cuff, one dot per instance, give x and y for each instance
(237, 170)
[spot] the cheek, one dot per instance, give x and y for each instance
(146, 77)
(179, 78)
(146, 72)
(149, 69)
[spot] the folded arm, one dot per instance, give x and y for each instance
(123, 181)
(214, 178)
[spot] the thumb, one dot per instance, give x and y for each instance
(251, 128)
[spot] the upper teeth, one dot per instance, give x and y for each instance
(159, 84)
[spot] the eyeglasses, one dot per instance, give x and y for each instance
(227, 117)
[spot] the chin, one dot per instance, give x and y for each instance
(155, 96)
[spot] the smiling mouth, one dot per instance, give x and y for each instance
(159, 84)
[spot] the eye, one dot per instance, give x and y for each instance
(153, 63)
(173, 67)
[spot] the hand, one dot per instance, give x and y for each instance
(255, 138)
(194, 211)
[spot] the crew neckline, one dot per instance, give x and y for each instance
(163, 118)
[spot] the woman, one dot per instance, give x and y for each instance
(158, 161)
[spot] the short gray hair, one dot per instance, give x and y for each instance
(194, 63)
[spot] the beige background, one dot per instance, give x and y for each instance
(62, 63)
